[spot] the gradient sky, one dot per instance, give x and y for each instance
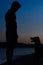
(29, 19)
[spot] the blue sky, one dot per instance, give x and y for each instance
(29, 19)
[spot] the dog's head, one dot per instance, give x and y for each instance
(35, 39)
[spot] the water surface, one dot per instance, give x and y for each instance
(18, 52)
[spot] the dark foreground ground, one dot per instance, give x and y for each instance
(4, 45)
(24, 60)
(27, 59)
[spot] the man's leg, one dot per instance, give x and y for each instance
(9, 54)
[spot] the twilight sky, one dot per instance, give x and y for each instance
(29, 19)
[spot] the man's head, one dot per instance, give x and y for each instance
(15, 6)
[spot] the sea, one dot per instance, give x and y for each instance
(18, 52)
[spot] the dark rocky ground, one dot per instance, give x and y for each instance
(26, 60)
(4, 45)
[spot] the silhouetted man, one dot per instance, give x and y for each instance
(37, 42)
(11, 29)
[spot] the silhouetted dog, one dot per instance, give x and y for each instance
(37, 44)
